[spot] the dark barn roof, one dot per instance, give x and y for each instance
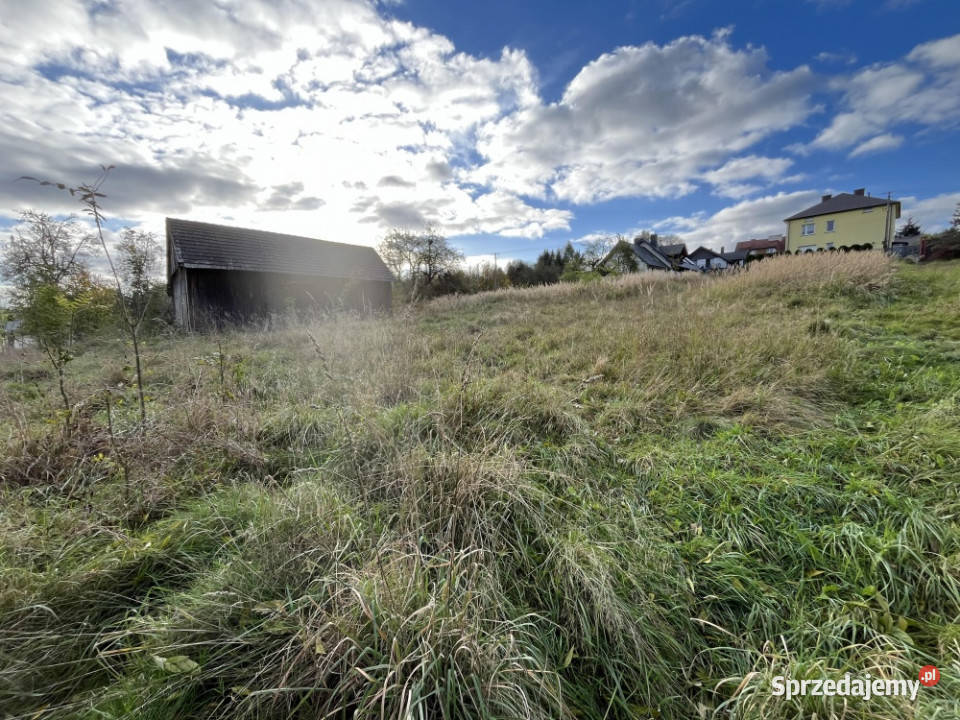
(842, 203)
(704, 252)
(673, 252)
(220, 247)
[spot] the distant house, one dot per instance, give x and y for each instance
(707, 259)
(675, 252)
(218, 274)
(773, 245)
(846, 221)
(734, 258)
(650, 255)
(655, 256)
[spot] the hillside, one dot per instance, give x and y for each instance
(642, 497)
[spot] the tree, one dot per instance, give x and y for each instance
(622, 258)
(596, 249)
(138, 263)
(435, 256)
(911, 229)
(44, 261)
(572, 258)
(53, 315)
(420, 257)
(520, 274)
(43, 251)
(955, 220)
(548, 268)
(399, 250)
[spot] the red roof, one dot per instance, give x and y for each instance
(764, 244)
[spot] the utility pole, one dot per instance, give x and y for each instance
(886, 226)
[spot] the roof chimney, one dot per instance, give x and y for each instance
(859, 191)
(653, 239)
(825, 198)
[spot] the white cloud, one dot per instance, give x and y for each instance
(827, 56)
(879, 143)
(728, 179)
(938, 53)
(922, 89)
(757, 218)
(331, 120)
(932, 214)
(644, 121)
(270, 114)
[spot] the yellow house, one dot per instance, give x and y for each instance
(844, 222)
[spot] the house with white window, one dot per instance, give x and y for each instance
(707, 259)
(846, 222)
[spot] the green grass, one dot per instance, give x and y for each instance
(634, 498)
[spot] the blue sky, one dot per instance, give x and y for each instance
(512, 126)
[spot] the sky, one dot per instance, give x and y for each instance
(510, 126)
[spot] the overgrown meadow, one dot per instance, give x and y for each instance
(634, 498)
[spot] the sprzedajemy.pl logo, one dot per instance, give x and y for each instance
(864, 687)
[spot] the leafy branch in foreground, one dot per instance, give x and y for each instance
(136, 252)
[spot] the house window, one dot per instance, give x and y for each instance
(829, 246)
(808, 228)
(831, 225)
(866, 210)
(806, 249)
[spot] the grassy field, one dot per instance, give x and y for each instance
(637, 498)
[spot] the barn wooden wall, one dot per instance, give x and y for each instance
(205, 298)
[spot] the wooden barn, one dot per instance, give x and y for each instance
(219, 275)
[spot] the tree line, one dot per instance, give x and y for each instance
(425, 265)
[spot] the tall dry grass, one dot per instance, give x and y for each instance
(571, 501)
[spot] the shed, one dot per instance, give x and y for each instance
(218, 274)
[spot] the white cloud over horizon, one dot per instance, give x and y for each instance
(622, 129)
(335, 120)
(932, 214)
(755, 218)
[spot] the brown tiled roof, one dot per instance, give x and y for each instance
(841, 203)
(220, 247)
(762, 244)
